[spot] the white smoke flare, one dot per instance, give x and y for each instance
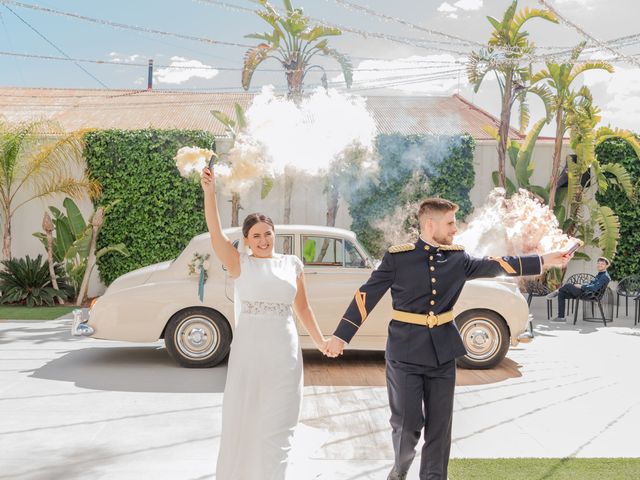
(518, 225)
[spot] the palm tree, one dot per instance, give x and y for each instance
(293, 43)
(583, 212)
(559, 78)
(41, 156)
(507, 48)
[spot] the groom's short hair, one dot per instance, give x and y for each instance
(436, 205)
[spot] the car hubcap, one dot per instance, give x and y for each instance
(481, 338)
(197, 337)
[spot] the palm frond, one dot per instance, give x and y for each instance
(605, 133)
(585, 66)
(252, 58)
(609, 230)
(343, 60)
(621, 175)
(527, 14)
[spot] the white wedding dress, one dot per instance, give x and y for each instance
(263, 392)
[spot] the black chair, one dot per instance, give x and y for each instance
(603, 297)
(577, 279)
(628, 287)
(636, 319)
(536, 288)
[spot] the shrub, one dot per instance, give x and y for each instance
(27, 281)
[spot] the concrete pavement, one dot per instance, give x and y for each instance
(77, 408)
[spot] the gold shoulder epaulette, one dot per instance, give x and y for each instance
(451, 247)
(405, 247)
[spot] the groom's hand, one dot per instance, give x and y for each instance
(335, 347)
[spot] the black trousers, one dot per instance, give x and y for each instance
(421, 397)
(567, 291)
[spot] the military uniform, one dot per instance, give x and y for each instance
(423, 342)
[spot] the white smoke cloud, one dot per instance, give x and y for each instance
(308, 136)
(175, 75)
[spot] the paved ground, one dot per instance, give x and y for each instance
(77, 408)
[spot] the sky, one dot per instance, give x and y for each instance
(390, 57)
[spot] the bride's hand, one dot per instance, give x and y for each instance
(207, 180)
(323, 346)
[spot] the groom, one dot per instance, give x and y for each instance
(426, 279)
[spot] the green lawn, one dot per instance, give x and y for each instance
(32, 313)
(545, 469)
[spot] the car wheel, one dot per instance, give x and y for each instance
(198, 337)
(485, 336)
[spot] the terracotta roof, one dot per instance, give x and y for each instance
(137, 109)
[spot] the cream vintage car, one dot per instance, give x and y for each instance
(161, 301)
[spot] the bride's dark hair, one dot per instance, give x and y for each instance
(253, 218)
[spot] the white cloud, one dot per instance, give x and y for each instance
(447, 7)
(431, 74)
(176, 73)
(460, 5)
(617, 95)
(139, 81)
(468, 4)
(118, 57)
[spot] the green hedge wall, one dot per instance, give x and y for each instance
(433, 165)
(627, 260)
(158, 211)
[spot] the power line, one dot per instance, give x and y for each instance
(123, 25)
(582, 32)
(203, 67)
(413, 26)
(55, 46)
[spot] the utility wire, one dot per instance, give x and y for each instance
(55, 46)
(123, 26)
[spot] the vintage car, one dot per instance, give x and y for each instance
(162, 301)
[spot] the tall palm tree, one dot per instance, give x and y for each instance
(505, 56)
(559, 79)
(294, 43)
(583, 212)
(40, 158)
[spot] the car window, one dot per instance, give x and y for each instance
(322, 251)
(352, 257)
(284, 244)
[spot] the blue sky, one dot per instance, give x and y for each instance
(618, 95)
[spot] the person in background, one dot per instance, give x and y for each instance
(570, 290)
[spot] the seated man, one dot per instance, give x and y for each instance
(581, 291)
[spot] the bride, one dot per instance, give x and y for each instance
(263, 392)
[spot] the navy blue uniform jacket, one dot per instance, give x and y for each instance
(425, 279)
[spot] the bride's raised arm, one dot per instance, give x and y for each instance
(222, 246)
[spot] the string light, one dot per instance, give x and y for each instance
(582, 32)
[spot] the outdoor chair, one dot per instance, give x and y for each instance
(577, 279)
(628, 287)
(636, 319)
(536, 288)
(603, 297)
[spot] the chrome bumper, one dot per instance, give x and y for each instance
(79, 325)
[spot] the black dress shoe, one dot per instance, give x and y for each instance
(394, 475)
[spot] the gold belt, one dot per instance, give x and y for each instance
(422, 318)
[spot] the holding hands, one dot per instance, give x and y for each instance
(334, 347)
